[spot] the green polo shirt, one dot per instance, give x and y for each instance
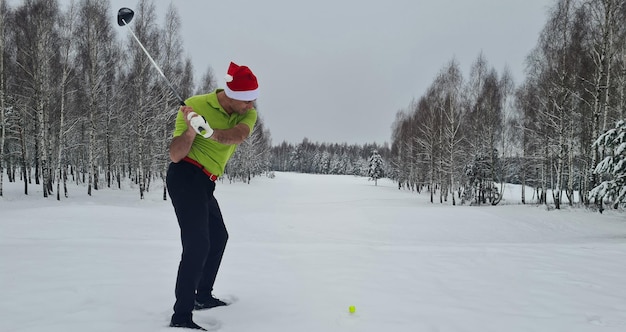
(209, 153)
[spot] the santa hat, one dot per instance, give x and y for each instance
(241, 83)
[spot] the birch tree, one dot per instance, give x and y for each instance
(173, 67)
(404, 150)
(427, 139)
(3, 18)
(36, 39)
(94, 58)
(67, 53)
(140, 95)
(605, 21)
(485, 124)
(558, 64)
(527, 128)
(452, 138)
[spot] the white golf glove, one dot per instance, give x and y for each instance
(199, 125)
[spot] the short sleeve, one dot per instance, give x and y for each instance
(250, 119)
(180, 125)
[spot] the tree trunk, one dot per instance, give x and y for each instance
(24, 173)
(2, 94)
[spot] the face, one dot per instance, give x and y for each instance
(241, 107)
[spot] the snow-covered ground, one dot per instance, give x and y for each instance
(302, 249)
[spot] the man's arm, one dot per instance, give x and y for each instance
(180, 146)
(235, 135)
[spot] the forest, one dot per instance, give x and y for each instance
(80, 102)
(561, 131)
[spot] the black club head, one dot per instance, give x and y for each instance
(124, 16)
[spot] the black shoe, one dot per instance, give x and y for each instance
(189, 324)
(208, 304)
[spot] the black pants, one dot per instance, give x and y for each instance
(202, 233)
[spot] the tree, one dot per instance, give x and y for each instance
(172, 65)
(556, 67)
(485, 122)
(144, 94)
(376, 166)
(605, 20)
(67, 56)
(3, 19)
(613, 167)
(37, 42)
(94, 58)
(251, 156)
(526, 127)
(452, 139)
(207, 83)
(479, 174)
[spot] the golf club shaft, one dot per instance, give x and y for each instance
(182, 102)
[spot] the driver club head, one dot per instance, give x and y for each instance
(124, 16)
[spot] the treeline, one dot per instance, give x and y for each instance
(326, 158)
(466, 134)
(80, 101)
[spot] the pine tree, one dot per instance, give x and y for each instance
(612, 167)
(375, 170)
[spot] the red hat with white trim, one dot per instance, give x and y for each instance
(241, 84)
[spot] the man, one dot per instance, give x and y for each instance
(196, 163)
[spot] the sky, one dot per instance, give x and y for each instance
(302, 250)
(340, 70)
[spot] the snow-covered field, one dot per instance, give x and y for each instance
(302, 249)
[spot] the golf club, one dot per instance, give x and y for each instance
(124, 16)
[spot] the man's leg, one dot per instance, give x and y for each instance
(190, 204)
(218, 236)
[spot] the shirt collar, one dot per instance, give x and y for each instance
(212, 100)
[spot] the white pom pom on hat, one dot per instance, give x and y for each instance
(241, 84)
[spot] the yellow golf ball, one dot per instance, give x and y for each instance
(352, 309)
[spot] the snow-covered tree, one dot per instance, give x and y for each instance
(376, 166)
(480, 186)
(95, 65)
(324, 163)
(252, 156)
(612, 167)
(37, 49)
(3, 10)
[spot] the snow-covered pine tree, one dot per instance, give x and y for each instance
(376, 165)
(612, 167)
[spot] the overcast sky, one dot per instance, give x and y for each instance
(339, 70)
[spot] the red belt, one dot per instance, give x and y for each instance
(211, 176)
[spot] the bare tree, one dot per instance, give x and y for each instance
(251, 157)
(94, 58)
(37, 44)
(428, 138)
(173, 66)
(208, 82)
(452, 139)
(485, 123)
(143, 93)
(67, 53)
(604, 23)
(3, 18)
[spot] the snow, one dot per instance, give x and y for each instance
(302, 249)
